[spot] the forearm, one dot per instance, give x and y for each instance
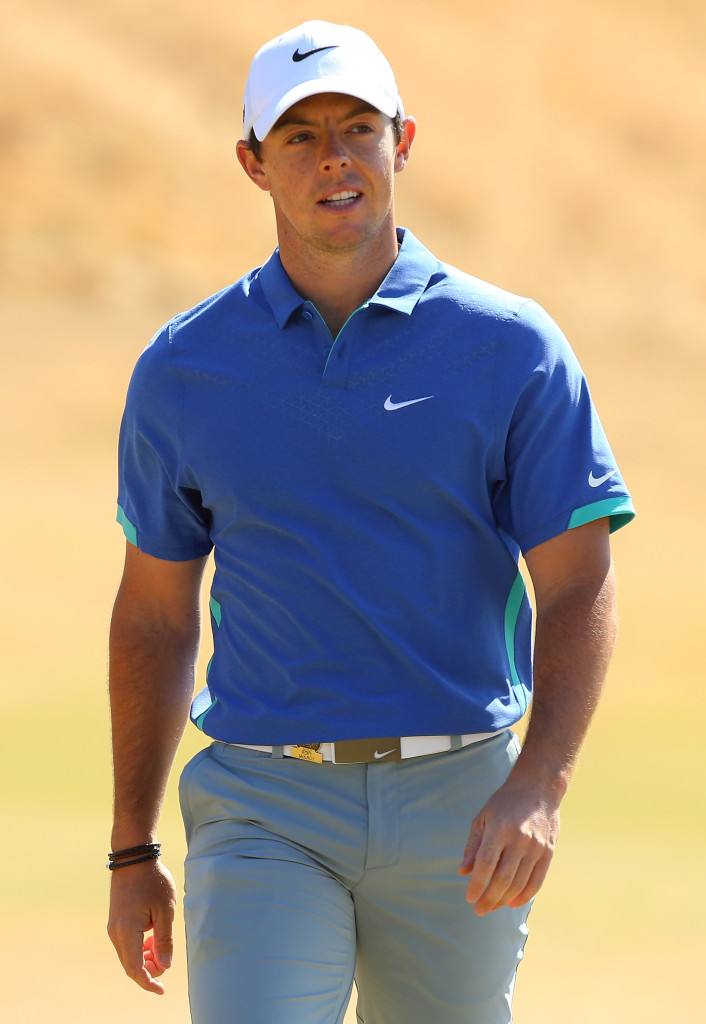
(574, 640)
(513, 837)
(151, 685)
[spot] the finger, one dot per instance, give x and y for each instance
(150, 984)
(151, 962)
(534, 884)
(502, 881)
(472, 846)
(136, 963)
(484, 864)
(158, 948)
(510, 878)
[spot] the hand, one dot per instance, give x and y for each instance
(509, 849)
(143, 898)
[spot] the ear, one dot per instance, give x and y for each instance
(252, 166)
(409, 130)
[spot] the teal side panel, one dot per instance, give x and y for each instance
(215, 610)
(198, 716)
(198, 722)
(129, 529)
(512, 613)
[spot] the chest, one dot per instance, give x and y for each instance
(386, 418)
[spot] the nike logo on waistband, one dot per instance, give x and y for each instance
(378, 756)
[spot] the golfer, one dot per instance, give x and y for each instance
(369, 441)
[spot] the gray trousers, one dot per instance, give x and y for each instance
(301, 877)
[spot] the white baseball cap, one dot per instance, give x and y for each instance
(313, 58)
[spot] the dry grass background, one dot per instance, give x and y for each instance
(560, 154)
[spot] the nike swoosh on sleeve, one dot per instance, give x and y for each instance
(597, 481)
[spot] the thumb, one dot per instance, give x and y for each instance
(159, 947)
(163, 941)
(162, 921)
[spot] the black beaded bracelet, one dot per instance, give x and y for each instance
(133, 851)
(113, 865)
(133, 855)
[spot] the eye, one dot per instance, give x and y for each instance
(299, 137)
(361, 129)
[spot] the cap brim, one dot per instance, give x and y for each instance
(382, 101)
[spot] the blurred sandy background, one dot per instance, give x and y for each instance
(560, 154)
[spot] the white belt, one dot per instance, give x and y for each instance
(409, 746)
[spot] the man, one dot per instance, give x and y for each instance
(368, 439)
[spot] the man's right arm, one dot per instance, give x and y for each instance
(154, 638)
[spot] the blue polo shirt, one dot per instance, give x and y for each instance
(366, 498)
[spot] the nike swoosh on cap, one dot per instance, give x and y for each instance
(297, 56)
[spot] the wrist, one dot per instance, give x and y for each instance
(128, 856)
(548, 780)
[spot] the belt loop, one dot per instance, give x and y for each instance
(278, 751)
(456, 742)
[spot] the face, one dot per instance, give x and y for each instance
(329, 164)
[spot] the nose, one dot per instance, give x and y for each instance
(334, 154)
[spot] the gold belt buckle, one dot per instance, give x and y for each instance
(308, 752)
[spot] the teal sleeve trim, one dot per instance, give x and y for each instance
(512, 613)
(129, 529)
(620, 510)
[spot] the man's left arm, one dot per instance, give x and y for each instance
(513, 837)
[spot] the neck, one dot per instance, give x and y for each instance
(338, 283)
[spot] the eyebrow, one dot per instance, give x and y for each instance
(286, 121)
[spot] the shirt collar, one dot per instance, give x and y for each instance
(401, 290)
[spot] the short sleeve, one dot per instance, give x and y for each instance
(159, 509)
(559, 470)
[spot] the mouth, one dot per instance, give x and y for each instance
(341, 199)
